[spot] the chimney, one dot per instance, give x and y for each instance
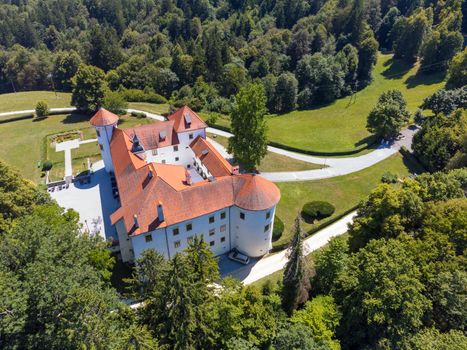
(160, 212)
(135, 218)
(235, 170)
(189, 181)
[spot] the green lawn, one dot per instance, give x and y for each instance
(343, 192)
(273, 161)
(24, 140)
(27, 100)
(150, 107)
(341, 125)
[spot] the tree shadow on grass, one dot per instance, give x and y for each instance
(76, 117)
(370, 142)
(413, 164)
(396, 69)
(423, 79)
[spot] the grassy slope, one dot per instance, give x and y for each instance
(341, 125)
(150, 107)
(23, 139)
(343, 192)
(273, 161)
(27, 100)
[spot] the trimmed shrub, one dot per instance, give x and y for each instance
(47, 165)
(138, 115)
(277, 229)
(317, 210)
(389, 178)
(42, 109)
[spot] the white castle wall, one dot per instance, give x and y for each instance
(104, 135)
(249, 235)
(185, 139)
(165, 241)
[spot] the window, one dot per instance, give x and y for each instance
(98, 133)
(212, 232)
(163, 161)
(223, 227)
(148, 238)
(175, 231)
(211, 219)
(100, 146)
(266, 228)
(189, 227)
(223, 215)
(154, 152)
(177, 244)
(242, 216)
(268, 215)
(222, 239)
(211, 243)
(189, 239)
(175, 148)
(176, 159)
(190, 136)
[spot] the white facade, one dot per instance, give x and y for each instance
(187, 137)
(252, 230)
(213, 227)
(104, 135)
(177, 155)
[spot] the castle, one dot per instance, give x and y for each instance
(173, 185)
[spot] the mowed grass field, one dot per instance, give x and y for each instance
(24, 140)
(28, 99)
(341, 126)
(343, 192)
(273, 161)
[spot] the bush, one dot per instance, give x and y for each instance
(42, 109)
(277, 229)
(317, 210)
(136, 95)
(47, 165)
(138, 115)
(115, 102)
(212, 119)
(389, 178)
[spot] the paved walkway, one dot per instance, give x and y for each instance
(275, 262)
(67, 146)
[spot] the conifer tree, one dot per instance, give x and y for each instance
(296, 278)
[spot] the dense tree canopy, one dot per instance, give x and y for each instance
(164, 47)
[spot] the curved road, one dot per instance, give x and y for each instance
(332, 167)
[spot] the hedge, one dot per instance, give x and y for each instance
(278, 228)
(317, 210)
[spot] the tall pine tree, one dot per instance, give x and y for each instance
(296, 278)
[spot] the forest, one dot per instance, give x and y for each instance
(395, 281)
(200, 52)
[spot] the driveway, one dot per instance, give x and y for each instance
(261, 268)
(94, 202)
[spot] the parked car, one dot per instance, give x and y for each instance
(235, 255)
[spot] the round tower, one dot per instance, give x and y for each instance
(104, 122)
(253, 215)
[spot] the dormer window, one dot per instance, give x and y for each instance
(187, 117)
(162, 135)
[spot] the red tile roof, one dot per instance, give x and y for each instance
(149, 135)
(142, 186)
(211, 158)
(180, 120)
(103, 118)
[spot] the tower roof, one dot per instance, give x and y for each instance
(103, 118)
(185, 119)
(256, 193)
